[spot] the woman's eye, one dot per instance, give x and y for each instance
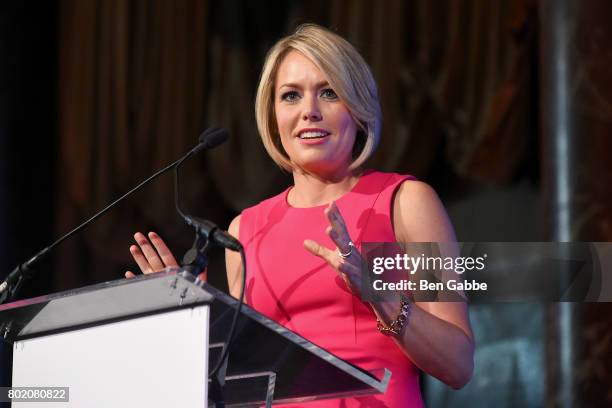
(290, 96)
(329, 93)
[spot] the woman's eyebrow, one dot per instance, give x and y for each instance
(298, 86)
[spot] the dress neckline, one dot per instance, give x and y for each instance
(321, 206)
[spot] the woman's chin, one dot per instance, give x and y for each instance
(324, 167)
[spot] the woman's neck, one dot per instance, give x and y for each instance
(312, 190)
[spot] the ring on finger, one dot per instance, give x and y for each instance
(347, 253)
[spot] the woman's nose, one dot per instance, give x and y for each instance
(311, 110)
(312, 116)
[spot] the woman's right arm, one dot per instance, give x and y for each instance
(233, 263)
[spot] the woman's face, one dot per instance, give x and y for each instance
(316, 129)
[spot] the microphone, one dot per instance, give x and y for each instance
(212, 137)
(209, 139)
(213, 233)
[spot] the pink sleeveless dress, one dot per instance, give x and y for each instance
(301, 292)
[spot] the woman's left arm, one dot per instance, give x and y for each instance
(438, 337)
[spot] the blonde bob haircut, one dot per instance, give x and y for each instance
(347, 73)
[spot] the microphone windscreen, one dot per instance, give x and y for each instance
(213, 137)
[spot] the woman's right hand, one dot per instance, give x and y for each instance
(151, 254)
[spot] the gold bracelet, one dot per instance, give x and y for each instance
(396, 326)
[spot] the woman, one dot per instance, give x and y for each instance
(319, 117)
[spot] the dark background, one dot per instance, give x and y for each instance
(503, 107)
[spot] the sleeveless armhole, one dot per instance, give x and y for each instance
(244, 226)
(396, 188)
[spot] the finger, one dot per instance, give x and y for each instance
(338, 219)
(324, 253)
(338, 234)
(129, 275)
(162, 249)
(340, 242)
(140, 259)
(332, 258)
(203, 276)
(333, 222)
(149, 252)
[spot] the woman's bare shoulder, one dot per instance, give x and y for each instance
(419, 215)
(234, 227)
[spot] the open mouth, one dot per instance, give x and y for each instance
(313, 134)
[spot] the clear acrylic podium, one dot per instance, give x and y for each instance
(148, 342)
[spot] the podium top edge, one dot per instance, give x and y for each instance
(102, 302)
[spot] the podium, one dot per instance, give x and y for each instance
(148, 341)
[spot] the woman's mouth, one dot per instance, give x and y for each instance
(309, 134)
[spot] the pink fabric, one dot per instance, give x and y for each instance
(298, 290)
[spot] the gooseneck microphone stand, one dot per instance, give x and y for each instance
(210, 138)
(195, 260)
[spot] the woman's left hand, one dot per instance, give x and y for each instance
(345, 259)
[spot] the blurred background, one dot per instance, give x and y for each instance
(504, 107)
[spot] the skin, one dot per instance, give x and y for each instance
(438, 337)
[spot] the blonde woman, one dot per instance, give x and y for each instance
(319, 118)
